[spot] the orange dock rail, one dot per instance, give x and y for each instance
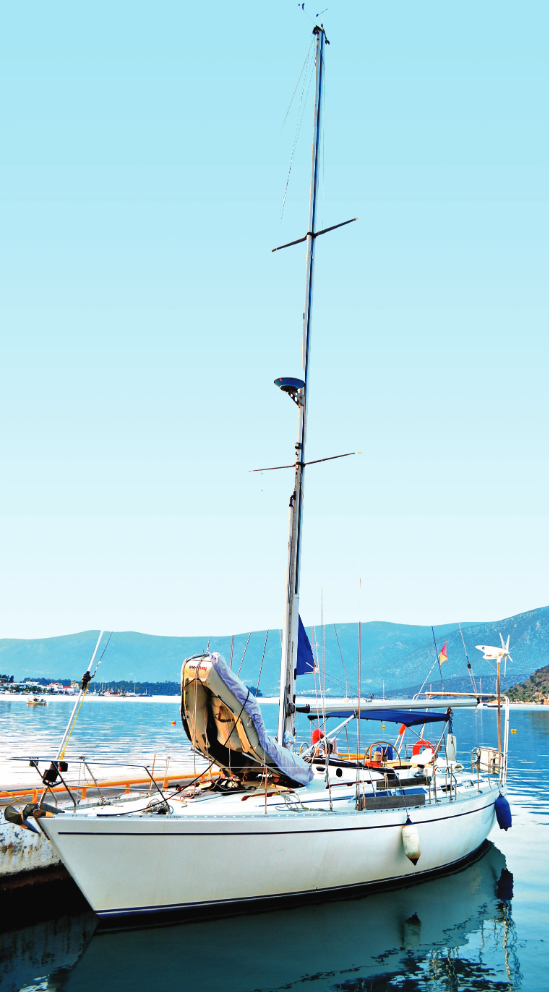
(11, 794)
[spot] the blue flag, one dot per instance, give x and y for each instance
(305, 660)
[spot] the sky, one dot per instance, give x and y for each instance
(144, 317)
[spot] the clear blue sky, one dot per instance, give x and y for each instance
(144, 317)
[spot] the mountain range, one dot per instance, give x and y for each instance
(393, 655)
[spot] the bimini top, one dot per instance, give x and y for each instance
(409, 718)
(223, 721)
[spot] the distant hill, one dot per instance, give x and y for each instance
(533, 690)
(393, 655)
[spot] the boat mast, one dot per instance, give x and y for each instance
(286, 716)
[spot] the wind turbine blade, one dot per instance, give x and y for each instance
(501, 639)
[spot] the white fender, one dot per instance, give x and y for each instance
(410, 840)
(451, 747)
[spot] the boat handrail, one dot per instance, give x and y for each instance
(8, 795)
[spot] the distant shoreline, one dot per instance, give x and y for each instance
(269, 700)
(23, 697)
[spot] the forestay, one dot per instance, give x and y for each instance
(222, 719)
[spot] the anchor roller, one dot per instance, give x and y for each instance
(22, 817)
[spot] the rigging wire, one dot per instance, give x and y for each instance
(322, 118)
(297, 84)
(302, 5)
(427, 676)
(307, 79)
(342, 662)
(323, 637)
(103, 652)
(244, 655)
(337, 682)
(469, 666)
(262, 660)
(316, 672)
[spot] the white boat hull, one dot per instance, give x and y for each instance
(135, 864)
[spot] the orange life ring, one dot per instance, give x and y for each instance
(419, 744)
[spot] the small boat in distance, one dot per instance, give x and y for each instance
(35, 701)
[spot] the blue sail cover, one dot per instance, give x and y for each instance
(289, 763)
(410, 718)
(305, 660)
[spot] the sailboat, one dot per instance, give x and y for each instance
(274, 824)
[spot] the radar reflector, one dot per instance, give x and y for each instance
(289, 385)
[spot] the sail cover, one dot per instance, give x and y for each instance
(222, 719)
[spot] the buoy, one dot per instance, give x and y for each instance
(410, 840)
(173, 723)
(503, 813)
(513, 731)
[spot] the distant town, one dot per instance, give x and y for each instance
(70, 687)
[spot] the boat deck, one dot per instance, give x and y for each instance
(348, 790)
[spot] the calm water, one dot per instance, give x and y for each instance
(463, 932)
(120, 730)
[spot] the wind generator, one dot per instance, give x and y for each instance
(497, 654)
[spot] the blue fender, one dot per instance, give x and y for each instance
(503, 813)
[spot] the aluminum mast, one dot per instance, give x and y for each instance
(286, 716)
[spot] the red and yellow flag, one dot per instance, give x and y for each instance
(443, 656)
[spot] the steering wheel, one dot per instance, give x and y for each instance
(385, 744)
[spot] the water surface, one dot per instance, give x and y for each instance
(484, 928)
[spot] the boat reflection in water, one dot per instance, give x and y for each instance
(451, 932)
(32, 956)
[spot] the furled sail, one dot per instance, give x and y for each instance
(305, 659)
(222, 719)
